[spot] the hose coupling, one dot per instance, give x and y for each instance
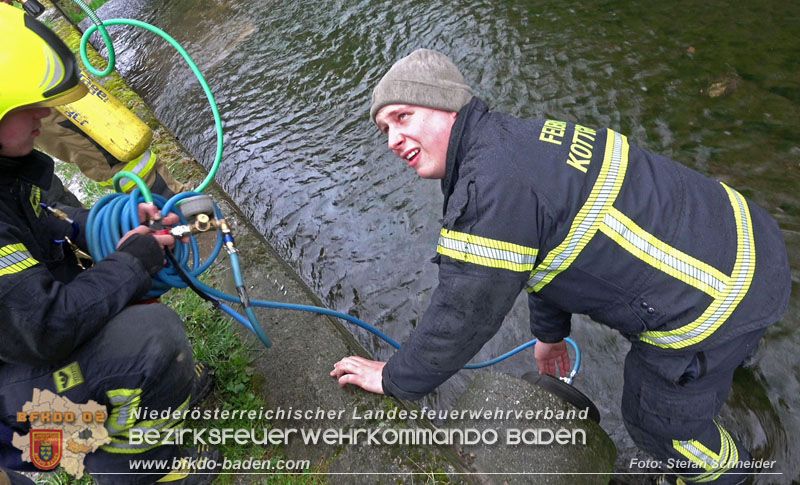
(182, 231)
(202, 223)
(570, 378)
(58, 213)
(223, 226)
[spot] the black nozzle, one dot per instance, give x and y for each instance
(33, 7)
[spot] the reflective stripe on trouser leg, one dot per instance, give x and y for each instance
(670, 404)
(711, 460)
(126, 431)
(149, 344)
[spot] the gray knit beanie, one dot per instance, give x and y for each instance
(423, 78)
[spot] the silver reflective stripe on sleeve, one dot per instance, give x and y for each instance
(486, 252)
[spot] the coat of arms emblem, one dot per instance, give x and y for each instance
(46, 447)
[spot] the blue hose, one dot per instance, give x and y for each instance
(116, 214)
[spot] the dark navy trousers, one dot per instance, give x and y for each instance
(670, 402)
(142, 357)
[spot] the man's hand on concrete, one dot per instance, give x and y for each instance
(548, 356)
(364, 373)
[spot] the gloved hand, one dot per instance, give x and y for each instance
(145, 248)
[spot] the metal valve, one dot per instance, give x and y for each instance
(202, 223)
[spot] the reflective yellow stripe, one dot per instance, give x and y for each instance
(590, 216)
(185, 467)
(715, 464)
(140, 166)
(721, 308)
(123, 405)
(15, 258)
(123, 446)
(36, 198)
(486, 252)
(182, 471)
(124, 401)
(662, 256)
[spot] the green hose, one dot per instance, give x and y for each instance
(99, 25)
(140, 184)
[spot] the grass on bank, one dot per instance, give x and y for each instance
(216, 341)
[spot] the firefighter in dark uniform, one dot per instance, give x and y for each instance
(690, 271)
(70, 331)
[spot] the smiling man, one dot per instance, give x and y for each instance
(685, 267)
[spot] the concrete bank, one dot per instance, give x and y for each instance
(370, 438)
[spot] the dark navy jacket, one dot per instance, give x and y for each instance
(48, 306)
(588, 223)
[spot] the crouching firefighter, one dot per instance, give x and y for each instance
(77, 333)
(684, 266)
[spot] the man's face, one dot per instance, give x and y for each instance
(18, 130)
(419, 136)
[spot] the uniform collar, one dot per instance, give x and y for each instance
(466, 120)
(35, 168)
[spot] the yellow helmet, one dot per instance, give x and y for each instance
(38, 68)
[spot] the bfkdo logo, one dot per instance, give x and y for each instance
(46, 447)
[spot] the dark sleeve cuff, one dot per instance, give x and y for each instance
(418, 380)
(138, 272)
(551, 339)
(549, 323)
(384, 380)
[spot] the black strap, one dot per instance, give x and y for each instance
(202, 294)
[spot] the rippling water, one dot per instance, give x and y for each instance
(714, 86)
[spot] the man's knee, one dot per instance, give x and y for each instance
(656, 411)
(146, 340)
(147, 329)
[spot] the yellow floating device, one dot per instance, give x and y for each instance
(108, 122)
